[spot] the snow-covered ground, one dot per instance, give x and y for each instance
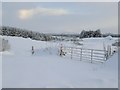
(46, 69)
(0, 71)
(0, 65)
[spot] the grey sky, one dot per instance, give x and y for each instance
(61, 17)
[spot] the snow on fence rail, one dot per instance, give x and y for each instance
(92, 55)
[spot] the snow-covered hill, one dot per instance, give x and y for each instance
(46, 69)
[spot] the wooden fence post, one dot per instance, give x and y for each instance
(81, 55)
(33, 50)
(71, 52)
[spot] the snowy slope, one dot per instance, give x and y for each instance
(45, 69)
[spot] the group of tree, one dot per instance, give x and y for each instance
(87, 34)
(12, 31)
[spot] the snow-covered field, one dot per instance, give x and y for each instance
(46, 69)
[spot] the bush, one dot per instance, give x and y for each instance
(4, 45)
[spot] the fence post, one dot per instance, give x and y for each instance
(33, 50)
(71, 52)
(105, 55)
(61, 50)
(91, 55)
(81, 55)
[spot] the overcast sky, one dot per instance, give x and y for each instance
(61, 17)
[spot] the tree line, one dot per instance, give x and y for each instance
(12, 31)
